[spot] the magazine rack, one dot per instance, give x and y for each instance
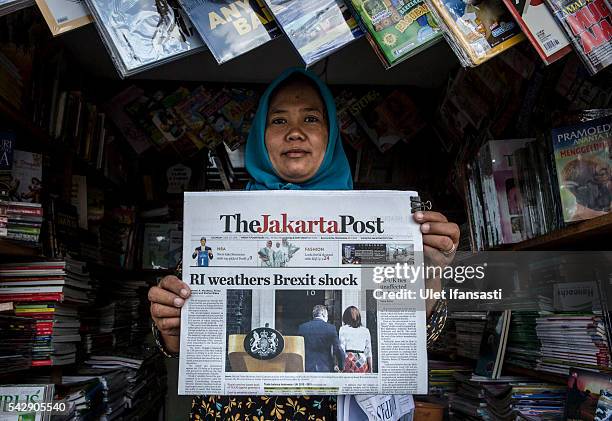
(291, 360)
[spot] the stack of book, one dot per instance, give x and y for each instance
(18, 335)
(526, 400)
(510, 189)
(469, 327)
(145, 373)
(21, 222)
(84, 398)
(48, 292)
(442, 380)
(572, 340)
(523, 347)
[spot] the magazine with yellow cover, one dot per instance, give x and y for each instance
(477, 30)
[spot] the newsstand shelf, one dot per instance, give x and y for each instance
(590, 232)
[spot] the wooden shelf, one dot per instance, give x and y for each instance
(599, 228)
(14, 249)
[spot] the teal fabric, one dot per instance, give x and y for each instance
(334, 172)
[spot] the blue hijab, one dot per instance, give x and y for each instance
(334, 172)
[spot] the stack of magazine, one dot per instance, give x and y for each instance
(164, 33)
(317, 28)
(397, 30)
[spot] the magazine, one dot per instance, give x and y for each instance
(587, 24)
(397, 30)
(25, 183)
(584, 164)
(21, 402)
(64, 15)
(589, 396)
(476, 30)
(163, 34)
(272, 271)
(541, 28)
(231, 28)
(317, 28)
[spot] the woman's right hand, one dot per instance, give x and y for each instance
(167, 299)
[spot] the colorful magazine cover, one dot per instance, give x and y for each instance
(477, 30)
(231, 28)
(541, 28)
(398, 29)
(584, 168)
(588, 25)
(317, 28)
(64, 15)
(588, 396)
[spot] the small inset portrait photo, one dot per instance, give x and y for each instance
(202, 254)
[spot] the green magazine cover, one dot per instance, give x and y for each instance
(399, 28)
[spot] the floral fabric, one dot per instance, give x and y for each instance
(264, 408)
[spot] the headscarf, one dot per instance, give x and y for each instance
(334, 172)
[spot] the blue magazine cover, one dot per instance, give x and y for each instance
(231, 28)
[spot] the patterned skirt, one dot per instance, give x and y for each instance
(264, 408)
(356, 363)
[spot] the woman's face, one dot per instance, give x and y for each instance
(296, 132)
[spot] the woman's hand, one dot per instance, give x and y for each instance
(167, 299)
(440, 237)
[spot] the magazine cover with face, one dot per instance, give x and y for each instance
(582, 156)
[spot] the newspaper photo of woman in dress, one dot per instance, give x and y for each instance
(356, 342)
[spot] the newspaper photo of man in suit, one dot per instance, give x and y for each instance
(202, 253)
(322, 346)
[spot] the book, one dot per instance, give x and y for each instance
(164, 33)
(588, 25)
(64, 15)
(317, 28)
(397, 30)
(7, 146)
(493, 345)
(118, 109)
(26, 177)
(583, 162)
(231, 28)
(476, 31)
(541, 28)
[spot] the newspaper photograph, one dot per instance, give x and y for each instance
(283, 296)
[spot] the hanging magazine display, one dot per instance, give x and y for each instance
(64, 15)
(317, 28)
(584, 168)
(588, 24)
(476, 30)
(231, 28)
(10, 6)
(541, 28)
(164, 33)
(285, 299)
(397, 30)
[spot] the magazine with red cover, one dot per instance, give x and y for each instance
(588, 25)
(541, 28)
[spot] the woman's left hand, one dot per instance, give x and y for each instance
(440, 237)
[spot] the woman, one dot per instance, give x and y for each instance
(294, 143)
(356, 342)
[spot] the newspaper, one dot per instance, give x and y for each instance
(375, 408)
(273, 276)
